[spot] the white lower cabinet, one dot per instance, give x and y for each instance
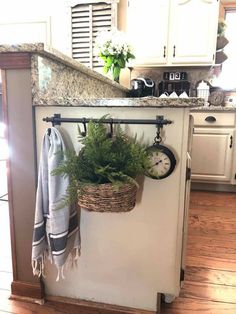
(212, 154)
(213, 147)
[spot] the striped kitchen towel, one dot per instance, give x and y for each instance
(56, 228)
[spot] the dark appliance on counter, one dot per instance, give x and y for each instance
(174, 82)
(141, 87)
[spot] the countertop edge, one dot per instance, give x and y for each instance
(44, 50)
(143, 102)
(215, 109)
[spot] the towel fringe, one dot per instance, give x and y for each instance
(58, 273)
(38, 265)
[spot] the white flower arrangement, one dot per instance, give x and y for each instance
(113, 48)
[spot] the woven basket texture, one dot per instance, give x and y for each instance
(105, 198)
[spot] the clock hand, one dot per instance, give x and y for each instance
(158, 162)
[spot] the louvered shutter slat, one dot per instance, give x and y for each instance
(80, 25)
(101, 6)
(87, 21)
(106, 18)
(81, 45)
(81, 19)
(80, 34)
(80, 8)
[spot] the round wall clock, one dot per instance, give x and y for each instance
(162, 162)
(217, 98)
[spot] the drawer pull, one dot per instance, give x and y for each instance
(174, 51)
(210, 119)
(231, 142)
(164, 52)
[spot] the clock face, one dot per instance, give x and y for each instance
(217, 98)
(161, 162)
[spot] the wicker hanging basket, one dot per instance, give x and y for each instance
(105, 198)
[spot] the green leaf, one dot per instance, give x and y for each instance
(130, 56)
(121, 63)
(106, 69)
(109, 61)
(116, 72)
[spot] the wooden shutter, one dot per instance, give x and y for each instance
(87, 20)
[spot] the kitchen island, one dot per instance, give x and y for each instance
(126, 259)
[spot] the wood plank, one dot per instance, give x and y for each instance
(213, 199)
(192, 306)
(214, 276)
(208, 246)
(215, 225)
(212, 292)
(209, 211)
(210, 262)
(209, 237)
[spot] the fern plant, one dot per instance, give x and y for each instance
(103, 159)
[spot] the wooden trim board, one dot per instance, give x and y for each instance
(32, 291)
(15, 60)
(95, 307)
(9, 184)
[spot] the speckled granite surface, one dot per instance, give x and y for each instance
(61, 80)
(214, 109)
(54, 83)
(139, 102)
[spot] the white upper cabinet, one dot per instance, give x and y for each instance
(148, 30)
(173, 32)
(193, 31)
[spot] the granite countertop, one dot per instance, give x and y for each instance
(214, 109)
(149, 101)
(44, 50)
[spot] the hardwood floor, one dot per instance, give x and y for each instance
(210, 278)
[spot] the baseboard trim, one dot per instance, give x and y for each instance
(213, 187)
(26, 299)
(61, 303)
(26, 290)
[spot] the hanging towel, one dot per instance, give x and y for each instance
(56, 229)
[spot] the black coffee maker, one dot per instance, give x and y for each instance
(141, 87)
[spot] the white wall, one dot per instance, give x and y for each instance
(127, 258)
(30, 21)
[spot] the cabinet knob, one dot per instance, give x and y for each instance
(210, 119)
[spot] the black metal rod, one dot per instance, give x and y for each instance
(58, 120)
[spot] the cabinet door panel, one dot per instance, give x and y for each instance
(212, 155)
(148, 30)
(193, 31)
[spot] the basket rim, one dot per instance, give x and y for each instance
(106, 184)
